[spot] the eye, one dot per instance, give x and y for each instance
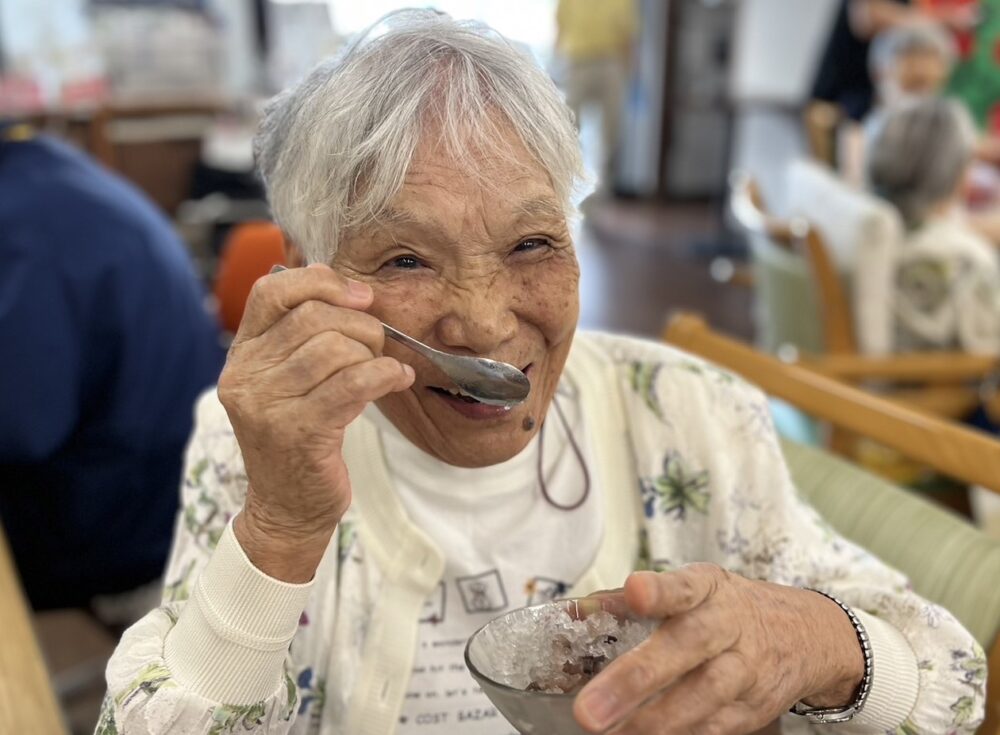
(532, 244)
(404, 262)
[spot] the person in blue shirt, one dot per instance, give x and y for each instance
(105, 343)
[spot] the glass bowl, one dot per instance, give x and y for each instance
(530, 647)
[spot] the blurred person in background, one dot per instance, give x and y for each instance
(947, 281)
(595, 39)
(844, 77)
(107, 343)
(350, 520)
(948, 276)
(911, 61)
(908, 62)
(843, 88)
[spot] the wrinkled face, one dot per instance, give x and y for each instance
(472, 265)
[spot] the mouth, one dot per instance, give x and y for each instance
(453, 393)
(468, 406)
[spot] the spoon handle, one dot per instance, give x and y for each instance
(413, 344)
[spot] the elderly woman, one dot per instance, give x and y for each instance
(911, 61)
(907, 63)
(349, 520)
(947, 276)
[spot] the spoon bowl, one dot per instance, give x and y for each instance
(488, 381)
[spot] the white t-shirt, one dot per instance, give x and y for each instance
(506, 547)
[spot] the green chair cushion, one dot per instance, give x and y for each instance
(948, 560)
(786, 307)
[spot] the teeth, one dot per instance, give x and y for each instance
(456, 392)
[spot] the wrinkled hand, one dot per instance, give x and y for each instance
(306, 361)
(731, 656)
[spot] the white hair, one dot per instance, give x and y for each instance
(333, 150)
(919, 37)
(918, 154)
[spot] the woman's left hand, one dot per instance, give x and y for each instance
(731, 656)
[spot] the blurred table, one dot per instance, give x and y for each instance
(154, 144)
(27, 704)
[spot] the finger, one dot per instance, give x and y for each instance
(737, 719)
(276, 294)
(355, 387)
(311, 317)
(317, 359)
(663, 594)
(603, 593)
(612, 601)
(680, 645)
(694, 701)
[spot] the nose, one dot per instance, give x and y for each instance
(480, 319)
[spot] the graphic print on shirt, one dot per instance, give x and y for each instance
(483, 592)
(543, 589)
(518, 558)
(435, 606)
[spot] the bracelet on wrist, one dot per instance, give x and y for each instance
(821, 715)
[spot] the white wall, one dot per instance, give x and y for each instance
(777, 47)
(242, 67)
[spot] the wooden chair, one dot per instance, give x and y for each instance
(27, 702)
(942, 383)
(947, 560)
(821, 120)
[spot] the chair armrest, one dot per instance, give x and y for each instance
(955, 450)
(27, 703)
(924, 367)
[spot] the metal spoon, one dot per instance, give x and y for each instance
(488, 381)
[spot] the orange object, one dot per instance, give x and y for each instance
(250, 251)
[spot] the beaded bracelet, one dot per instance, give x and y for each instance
(843, 714)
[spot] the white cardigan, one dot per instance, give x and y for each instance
(691, 470)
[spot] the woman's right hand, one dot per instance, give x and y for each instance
(305, 362)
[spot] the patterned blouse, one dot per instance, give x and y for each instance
(690, 470)
(947, 290)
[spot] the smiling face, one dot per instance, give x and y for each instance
(917, 74)
(923, 72)
(471, 265)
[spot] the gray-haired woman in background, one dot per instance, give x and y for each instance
(947, 276)
(907, 63)
(910, 62)
(349, 520)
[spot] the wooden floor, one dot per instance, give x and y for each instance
(639, 262)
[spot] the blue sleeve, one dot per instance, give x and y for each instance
(40, 367)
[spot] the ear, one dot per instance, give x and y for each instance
(293, 254)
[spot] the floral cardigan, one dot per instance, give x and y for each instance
(690, 469)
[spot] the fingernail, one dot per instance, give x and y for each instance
(600, 707)
(650, 584)
(408, 371)
(358, 289)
